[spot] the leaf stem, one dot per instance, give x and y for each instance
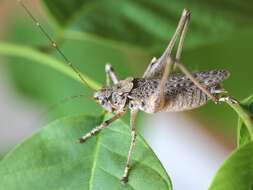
(26, 52)
(245, 115)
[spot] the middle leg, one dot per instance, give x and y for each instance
(124, 179)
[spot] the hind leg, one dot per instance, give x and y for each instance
(157, 66)
(160, 68)
(195, 81)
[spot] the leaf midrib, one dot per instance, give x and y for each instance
(93, 168)
(104, 170)
(140, 163)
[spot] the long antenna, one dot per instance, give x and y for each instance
(54, 44)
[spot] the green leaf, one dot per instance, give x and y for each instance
(46, 85)
(70, 8)
(51, 159)
(245, 123)
(243, 134)
(90, 52)
(151, 23)
(236, 173)
(20, 51)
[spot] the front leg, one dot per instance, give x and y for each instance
(124, 179)
(110, 75)
(100, 127)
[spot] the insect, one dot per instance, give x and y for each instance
(157, 90)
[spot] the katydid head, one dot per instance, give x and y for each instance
(114, 98)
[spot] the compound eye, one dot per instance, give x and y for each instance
(115, 98)
(102, 102)
(96, 95)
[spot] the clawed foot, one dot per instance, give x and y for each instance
(228, 99)
(81, 140)
(87, 136)
(124, 180)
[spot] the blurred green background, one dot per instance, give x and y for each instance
(128, 34)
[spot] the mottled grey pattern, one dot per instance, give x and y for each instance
(204, 77)
(180, 92)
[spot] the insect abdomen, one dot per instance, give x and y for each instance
(186, 99)
(182, 94)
